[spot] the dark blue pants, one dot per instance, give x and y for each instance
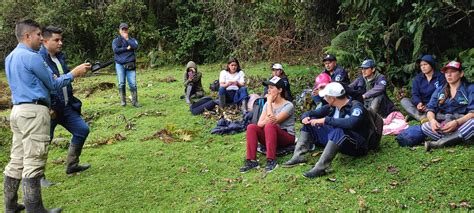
(234, 96)
(350, 143)
(71, 120)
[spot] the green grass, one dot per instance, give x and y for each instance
(202, 174)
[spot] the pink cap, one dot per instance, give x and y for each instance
(322, 80)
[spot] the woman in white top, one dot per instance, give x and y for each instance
(232, 87)
(275, 127)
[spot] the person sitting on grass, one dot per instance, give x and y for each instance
(275, 127)
(374, 87)
(450, 110)
(232, 87)
(277, 70)
(192, 82)
(423, 86)
(342, 126)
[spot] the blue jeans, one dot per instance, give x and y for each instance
(130, 74)
(72, 121)
(234, 96)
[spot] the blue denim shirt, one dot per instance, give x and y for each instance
(422, 90)
(121, 54)
(29, 76)
(462, 103)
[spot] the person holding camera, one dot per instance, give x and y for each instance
(65, 107)
(192, 82)
(31, 81)
(125, 63)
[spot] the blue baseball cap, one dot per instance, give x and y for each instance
(368, 63)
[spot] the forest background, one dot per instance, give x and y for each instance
(394, 33)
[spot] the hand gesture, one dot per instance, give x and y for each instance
(421, 107)
(317, 122)
(305, 121)
(450, 126)
(81, 69)
(435, 125)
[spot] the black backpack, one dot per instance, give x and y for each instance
(214, 86)
(376, 124)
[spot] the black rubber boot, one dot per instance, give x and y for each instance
(10, 193)
(72, 160)
(448, 140)
(302, 146)
(324, 161)
(32, 196)
(135, 99)
(189, 89)
(123, 98)
(45, 183)
(222, 101)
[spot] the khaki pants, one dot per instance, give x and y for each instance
(30, 124)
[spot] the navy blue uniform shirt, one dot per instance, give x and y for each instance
(462, 103)
(422, 90)
(339, 75)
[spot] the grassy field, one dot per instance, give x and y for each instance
(189, 169)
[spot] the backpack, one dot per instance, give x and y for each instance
(214, 86)
(202, 104)
(257, 109)
(411, 136)
(376, 124)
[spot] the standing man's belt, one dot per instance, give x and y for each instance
(38, 102)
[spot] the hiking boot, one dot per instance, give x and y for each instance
(248, 165)
(123, 98)
(303, 145)
(135, 99)
(271, 165)
(448, 140)
(32, 196)
(45, 182)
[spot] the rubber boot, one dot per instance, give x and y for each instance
(32, 196)
(189, 89)
(123, 98)
(324, 161)
(302, 146)
(45, 183)
(72, 161)
(243, 107)
(448, 140)
(10, 193)
(135, 99)
(222, 101)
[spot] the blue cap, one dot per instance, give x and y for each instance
(368, 63)
(428, 59)
(123, 25)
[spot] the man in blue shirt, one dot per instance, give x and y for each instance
(124, 48)
(30, 81)
(65, 107)
(373, 87)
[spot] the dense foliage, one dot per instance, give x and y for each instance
(394, 33)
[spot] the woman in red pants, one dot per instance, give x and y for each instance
(275, 127)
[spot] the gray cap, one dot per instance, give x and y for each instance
(123, 25)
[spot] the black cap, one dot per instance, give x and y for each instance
(329, 57)
(123, 25)
(275, 81)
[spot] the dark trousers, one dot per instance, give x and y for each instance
(71, 120)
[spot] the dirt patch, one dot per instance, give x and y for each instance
(97, 87)
(168, 79)
(5, 96)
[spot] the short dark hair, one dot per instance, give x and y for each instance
(25, 26)
(233, 60)
(50, 30)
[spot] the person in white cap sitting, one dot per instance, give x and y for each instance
(277, 70)
(341, 125)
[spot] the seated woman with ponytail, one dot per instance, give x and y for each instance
(450, 110)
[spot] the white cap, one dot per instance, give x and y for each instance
(333, 89)
(277, 67)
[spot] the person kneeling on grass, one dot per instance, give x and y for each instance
(450, 110)
(275, 127)
(342, 126)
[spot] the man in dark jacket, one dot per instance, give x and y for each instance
(372, 85)
(340, 124)
(124, 54)
(336, 72)
(65, 108)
